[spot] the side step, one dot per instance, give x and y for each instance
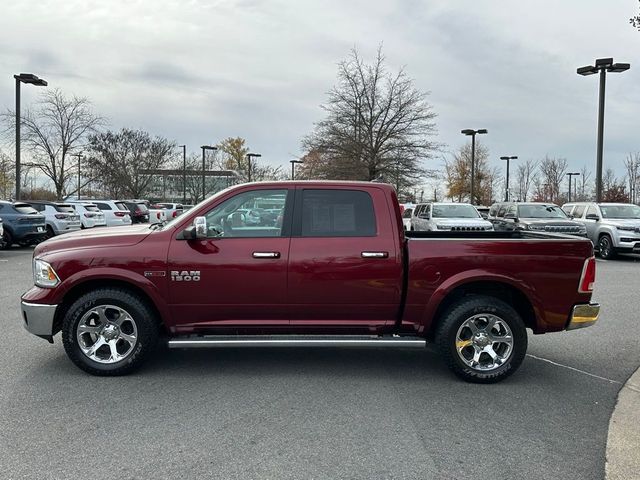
(214, 341)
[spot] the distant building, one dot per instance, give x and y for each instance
(168, 184)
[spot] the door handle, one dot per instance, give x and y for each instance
(266, 254)
(374, 254)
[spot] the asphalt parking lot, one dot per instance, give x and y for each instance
(330, 413)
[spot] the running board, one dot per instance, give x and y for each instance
(215, 341)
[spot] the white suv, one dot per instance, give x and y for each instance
(116, 213)
(90, 214)
(60, 217)
(448, 217)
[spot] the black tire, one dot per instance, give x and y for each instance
(459, 313)
(7, 239)
(605, 247)
(50, 234)
(141, 314)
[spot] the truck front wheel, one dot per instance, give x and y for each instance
(109, 331)
(482, 339)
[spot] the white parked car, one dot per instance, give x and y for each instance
(90, 215)
(451, 216)
(116, 213)
(60, 217)
(171, 210)
(407, 211)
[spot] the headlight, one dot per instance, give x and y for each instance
(44, 275)
(583, 230)
(443, 227)
(627, 229)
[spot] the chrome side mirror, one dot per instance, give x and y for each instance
(200, 225)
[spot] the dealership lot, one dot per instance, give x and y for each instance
(301, 413)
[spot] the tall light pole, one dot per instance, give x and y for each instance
(184, 173)
(79, 155)
(249, 157)
(603, 65)
(472, 134)
(31, 79)
(506, 190)
(570, 175)
(204, 149)
(293, 168)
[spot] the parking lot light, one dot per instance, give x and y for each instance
(570, 175)
(204, 149)
(249, 157)
(506, 190)
(472, 133)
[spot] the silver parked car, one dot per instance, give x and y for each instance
(60, 217)
(451, 216)
(116, 213)
(612, 227)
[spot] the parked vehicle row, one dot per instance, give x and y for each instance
(445, 216)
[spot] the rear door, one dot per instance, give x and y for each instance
(345, 265)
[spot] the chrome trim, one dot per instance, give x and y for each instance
(296, 341)
(583, 316)
(266, 254)
(374, 254)
(38, 318)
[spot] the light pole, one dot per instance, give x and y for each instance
(293, 168)
(33, 80)
(506, 190)
(79, 155)
(249, 156)
(570, 175)
(472, 134)
(603, 65)
(204, 149)
(184, 173)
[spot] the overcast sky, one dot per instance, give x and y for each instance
(200, 71)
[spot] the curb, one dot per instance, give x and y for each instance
(623, 440)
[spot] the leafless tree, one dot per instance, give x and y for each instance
(584, 184)
(552, 171)
(7, 176)
(377, 125)
(635, 21)
(525, 173)
(120, 159)
(632, 166)
(56, 127)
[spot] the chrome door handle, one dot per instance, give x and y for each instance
(374, 254)
(266, 254)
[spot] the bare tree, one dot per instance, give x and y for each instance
(377, 125)
(7, 176)
(524, 178)
(584, 184)
(121, 160)
(632, 166)
(54, 129)
(635, 21)
(552, 171)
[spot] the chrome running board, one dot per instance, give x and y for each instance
(215, 341)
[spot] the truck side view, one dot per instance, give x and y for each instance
(322, 264)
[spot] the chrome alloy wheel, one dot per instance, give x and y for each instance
(484, 342)
(107, 334)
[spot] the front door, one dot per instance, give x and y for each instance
(238, 274)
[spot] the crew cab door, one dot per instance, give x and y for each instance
(241, 266)
(345, 265)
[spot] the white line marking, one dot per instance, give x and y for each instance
(574, 369)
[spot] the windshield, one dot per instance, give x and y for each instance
(540, 211)
(620, 211)
(454, 211)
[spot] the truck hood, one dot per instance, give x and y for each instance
(623, 222)
(95, 237)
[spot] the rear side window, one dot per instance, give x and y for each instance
(142, 207)
(578, 211)
(501, 211)
(64, 208)
(122, 206)
(337, 213)
(26, 209)
(91, 208)
(103, 206)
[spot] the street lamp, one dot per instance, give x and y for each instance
(204, 149)
(603, 65)
(249, 156)
(184, 172)
(506, 191)
(472, 134)
(31, 79)
(79, 155)
(293, 168)
(570, 175)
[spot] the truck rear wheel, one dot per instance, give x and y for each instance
(482, 339)
(109, 332)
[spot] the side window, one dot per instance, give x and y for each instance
(513, 210)
(38, 207)
(492, 210)
(501, 211)
(337, 213)
(103, 206)
(591, 211)
(407, 213)
(253, 214)
(578, 211)
(567, 209)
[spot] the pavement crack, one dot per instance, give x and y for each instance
(575, 369)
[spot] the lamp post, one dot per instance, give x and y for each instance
(184, 173)
(29, 78)
(293, 168)
(249, 157)
(506, 190)
(79, 155)
(472, 134)
(602, 65)
(204, 149)
(570, 175)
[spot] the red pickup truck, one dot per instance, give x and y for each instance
(306, 264)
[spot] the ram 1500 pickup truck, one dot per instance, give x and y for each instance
(328, 264)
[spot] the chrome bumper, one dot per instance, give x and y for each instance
(583, 316)
(38, 319)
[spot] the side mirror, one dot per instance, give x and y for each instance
(424, 216)
(197, 230)
(510, 216)
(592, 216)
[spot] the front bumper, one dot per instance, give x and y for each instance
(583, 316)
(38, 319)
